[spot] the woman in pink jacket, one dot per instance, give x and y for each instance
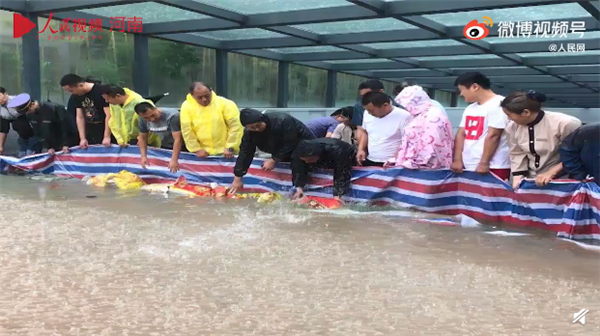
(428, 139)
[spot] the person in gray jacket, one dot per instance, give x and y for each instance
(163, 122)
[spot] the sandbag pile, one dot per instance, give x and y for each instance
(125, 180)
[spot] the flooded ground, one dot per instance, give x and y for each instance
(137, 264)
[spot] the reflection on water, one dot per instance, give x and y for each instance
(139, 264)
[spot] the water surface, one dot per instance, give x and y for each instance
(129, 263)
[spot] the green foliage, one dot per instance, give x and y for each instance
(102, 69)
(9, 69)
(47, 84)
(174, 60)
(308, 86)
(346, 89)
(252, 81)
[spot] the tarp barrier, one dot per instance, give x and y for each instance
(569, 208)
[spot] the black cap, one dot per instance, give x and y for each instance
(250, 116)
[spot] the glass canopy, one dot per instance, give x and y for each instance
(355, 26)
(150, 12)
(271, 6)
(550, 45)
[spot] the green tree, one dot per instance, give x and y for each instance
(174, 60)
(10, 67)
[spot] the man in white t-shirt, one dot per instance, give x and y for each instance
(480, 143)
(382, 130)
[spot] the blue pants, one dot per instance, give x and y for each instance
(29, 146)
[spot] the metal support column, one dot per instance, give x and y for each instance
(331, 90)
(222, 66)
(32, 77)
(283, 84)
(431, 93)
(454, 100)
(141, 65)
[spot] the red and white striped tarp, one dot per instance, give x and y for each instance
(569, 208)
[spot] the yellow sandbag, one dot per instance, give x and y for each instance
(269, 197)
(101, 180)
(128, 181)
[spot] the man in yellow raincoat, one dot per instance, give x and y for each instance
(210, 124)
(123, 120)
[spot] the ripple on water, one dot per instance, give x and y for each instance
(159, 267)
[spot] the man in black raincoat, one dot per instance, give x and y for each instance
(275, 133)
(580, 153)
(49, 122)
(327, 153)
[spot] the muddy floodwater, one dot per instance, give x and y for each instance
(77, 260)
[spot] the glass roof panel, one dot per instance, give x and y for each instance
(150, 12)
(306, 49)
(270, 6)
(240, 34)
(369, 60)
(424, 71)
(453, 58)
(595, 68)
(413, 44)
(356, 26)
(489, 68)
(531, 13)
(564, 54)
(553, 39)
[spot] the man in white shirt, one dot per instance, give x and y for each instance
(480, 143)
(382, 130)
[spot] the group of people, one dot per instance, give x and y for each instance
(504, 136)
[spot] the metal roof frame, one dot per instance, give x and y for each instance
(576, 72)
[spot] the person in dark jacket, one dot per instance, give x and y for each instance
(49, 122)
(580, 153)
(327, 153)
(275, 133)
(28, 144)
